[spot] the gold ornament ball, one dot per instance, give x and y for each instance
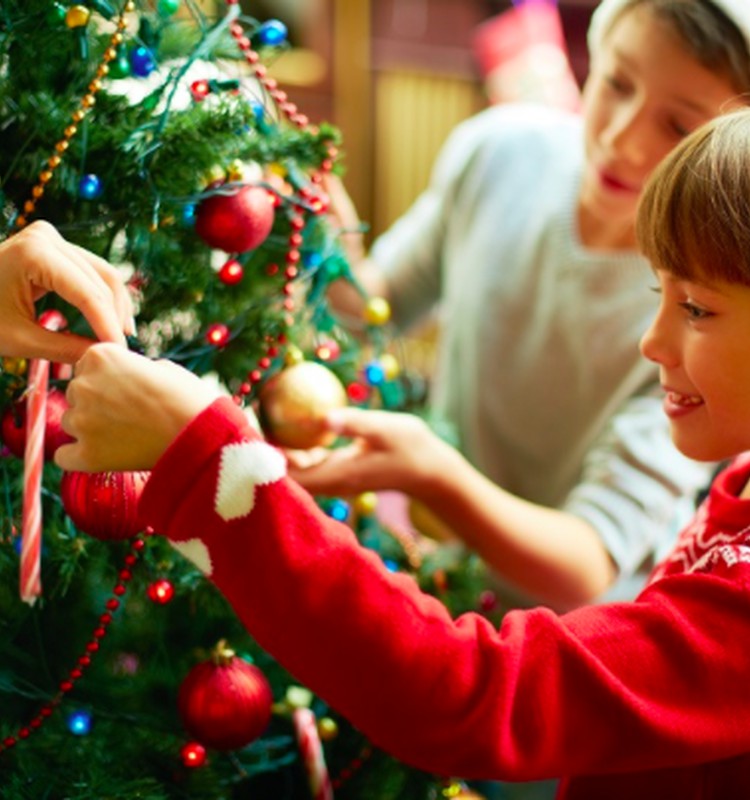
(328, 729)
(214, 174)
(294, 403)
(298, 697)
(293, 356)
(377, 311)
(460, 790)
(390, 366)
(77, 16)
(278, 169)
(14, 366)
(365, 504)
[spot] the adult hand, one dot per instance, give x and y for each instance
(388, 451)
(125, 410)
(38, 260)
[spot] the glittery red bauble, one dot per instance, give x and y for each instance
(13, 426)
(225, 703)
(235, 222)
(104, 504)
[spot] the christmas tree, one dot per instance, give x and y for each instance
(152, 134)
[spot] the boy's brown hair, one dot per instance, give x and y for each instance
(694, 213)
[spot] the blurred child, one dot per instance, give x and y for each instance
(525, 241)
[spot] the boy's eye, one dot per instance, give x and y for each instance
(695, 312)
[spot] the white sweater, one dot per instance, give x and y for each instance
(538, 363)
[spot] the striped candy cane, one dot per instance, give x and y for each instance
(36, 417)
(311, 751)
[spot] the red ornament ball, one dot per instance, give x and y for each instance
(357, 392)
(160, 592)
(13, 426)
(231, 272)
(104, 504)
(53, 320)
(218, 334)
(236, 222)
(225, 703)
(193, 755)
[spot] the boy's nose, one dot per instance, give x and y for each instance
(656, 344)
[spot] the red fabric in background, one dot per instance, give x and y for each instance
(523, 56)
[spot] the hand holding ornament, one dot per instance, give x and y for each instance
(38, 260)
(388, 451)
(125, 410)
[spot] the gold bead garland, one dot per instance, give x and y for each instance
(87, 101)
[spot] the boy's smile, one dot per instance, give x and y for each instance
(699, 340)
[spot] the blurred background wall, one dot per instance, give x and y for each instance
(396, 76)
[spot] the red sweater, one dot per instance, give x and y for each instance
(631, 700)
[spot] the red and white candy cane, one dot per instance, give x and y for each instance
(311, 750)
(36, 417)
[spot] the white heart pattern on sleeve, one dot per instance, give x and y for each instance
(243, 467)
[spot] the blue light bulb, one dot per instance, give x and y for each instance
(272, 33)
(339, 510)
(188, 215)
(90, 187)
(79, 723)
(142, 62)
(374, 373)
(312, 260)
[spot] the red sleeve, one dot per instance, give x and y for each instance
(654, 683)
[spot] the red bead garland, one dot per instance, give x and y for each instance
(353, 767)
(92, 646)
(315, 201)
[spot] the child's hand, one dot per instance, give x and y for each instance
(38, 260)
(388, 451)
(343, 215)
(125, 409)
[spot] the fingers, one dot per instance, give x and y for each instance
(69, 457)
(123, 302)
(341, 472)
(125, 410)
(304, 459)
(30, 340)
(93, 287)
(86, 281)
(375, 426)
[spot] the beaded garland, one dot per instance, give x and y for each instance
(85, 105)
(125, 574)
(309, 200)
(92, 647)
